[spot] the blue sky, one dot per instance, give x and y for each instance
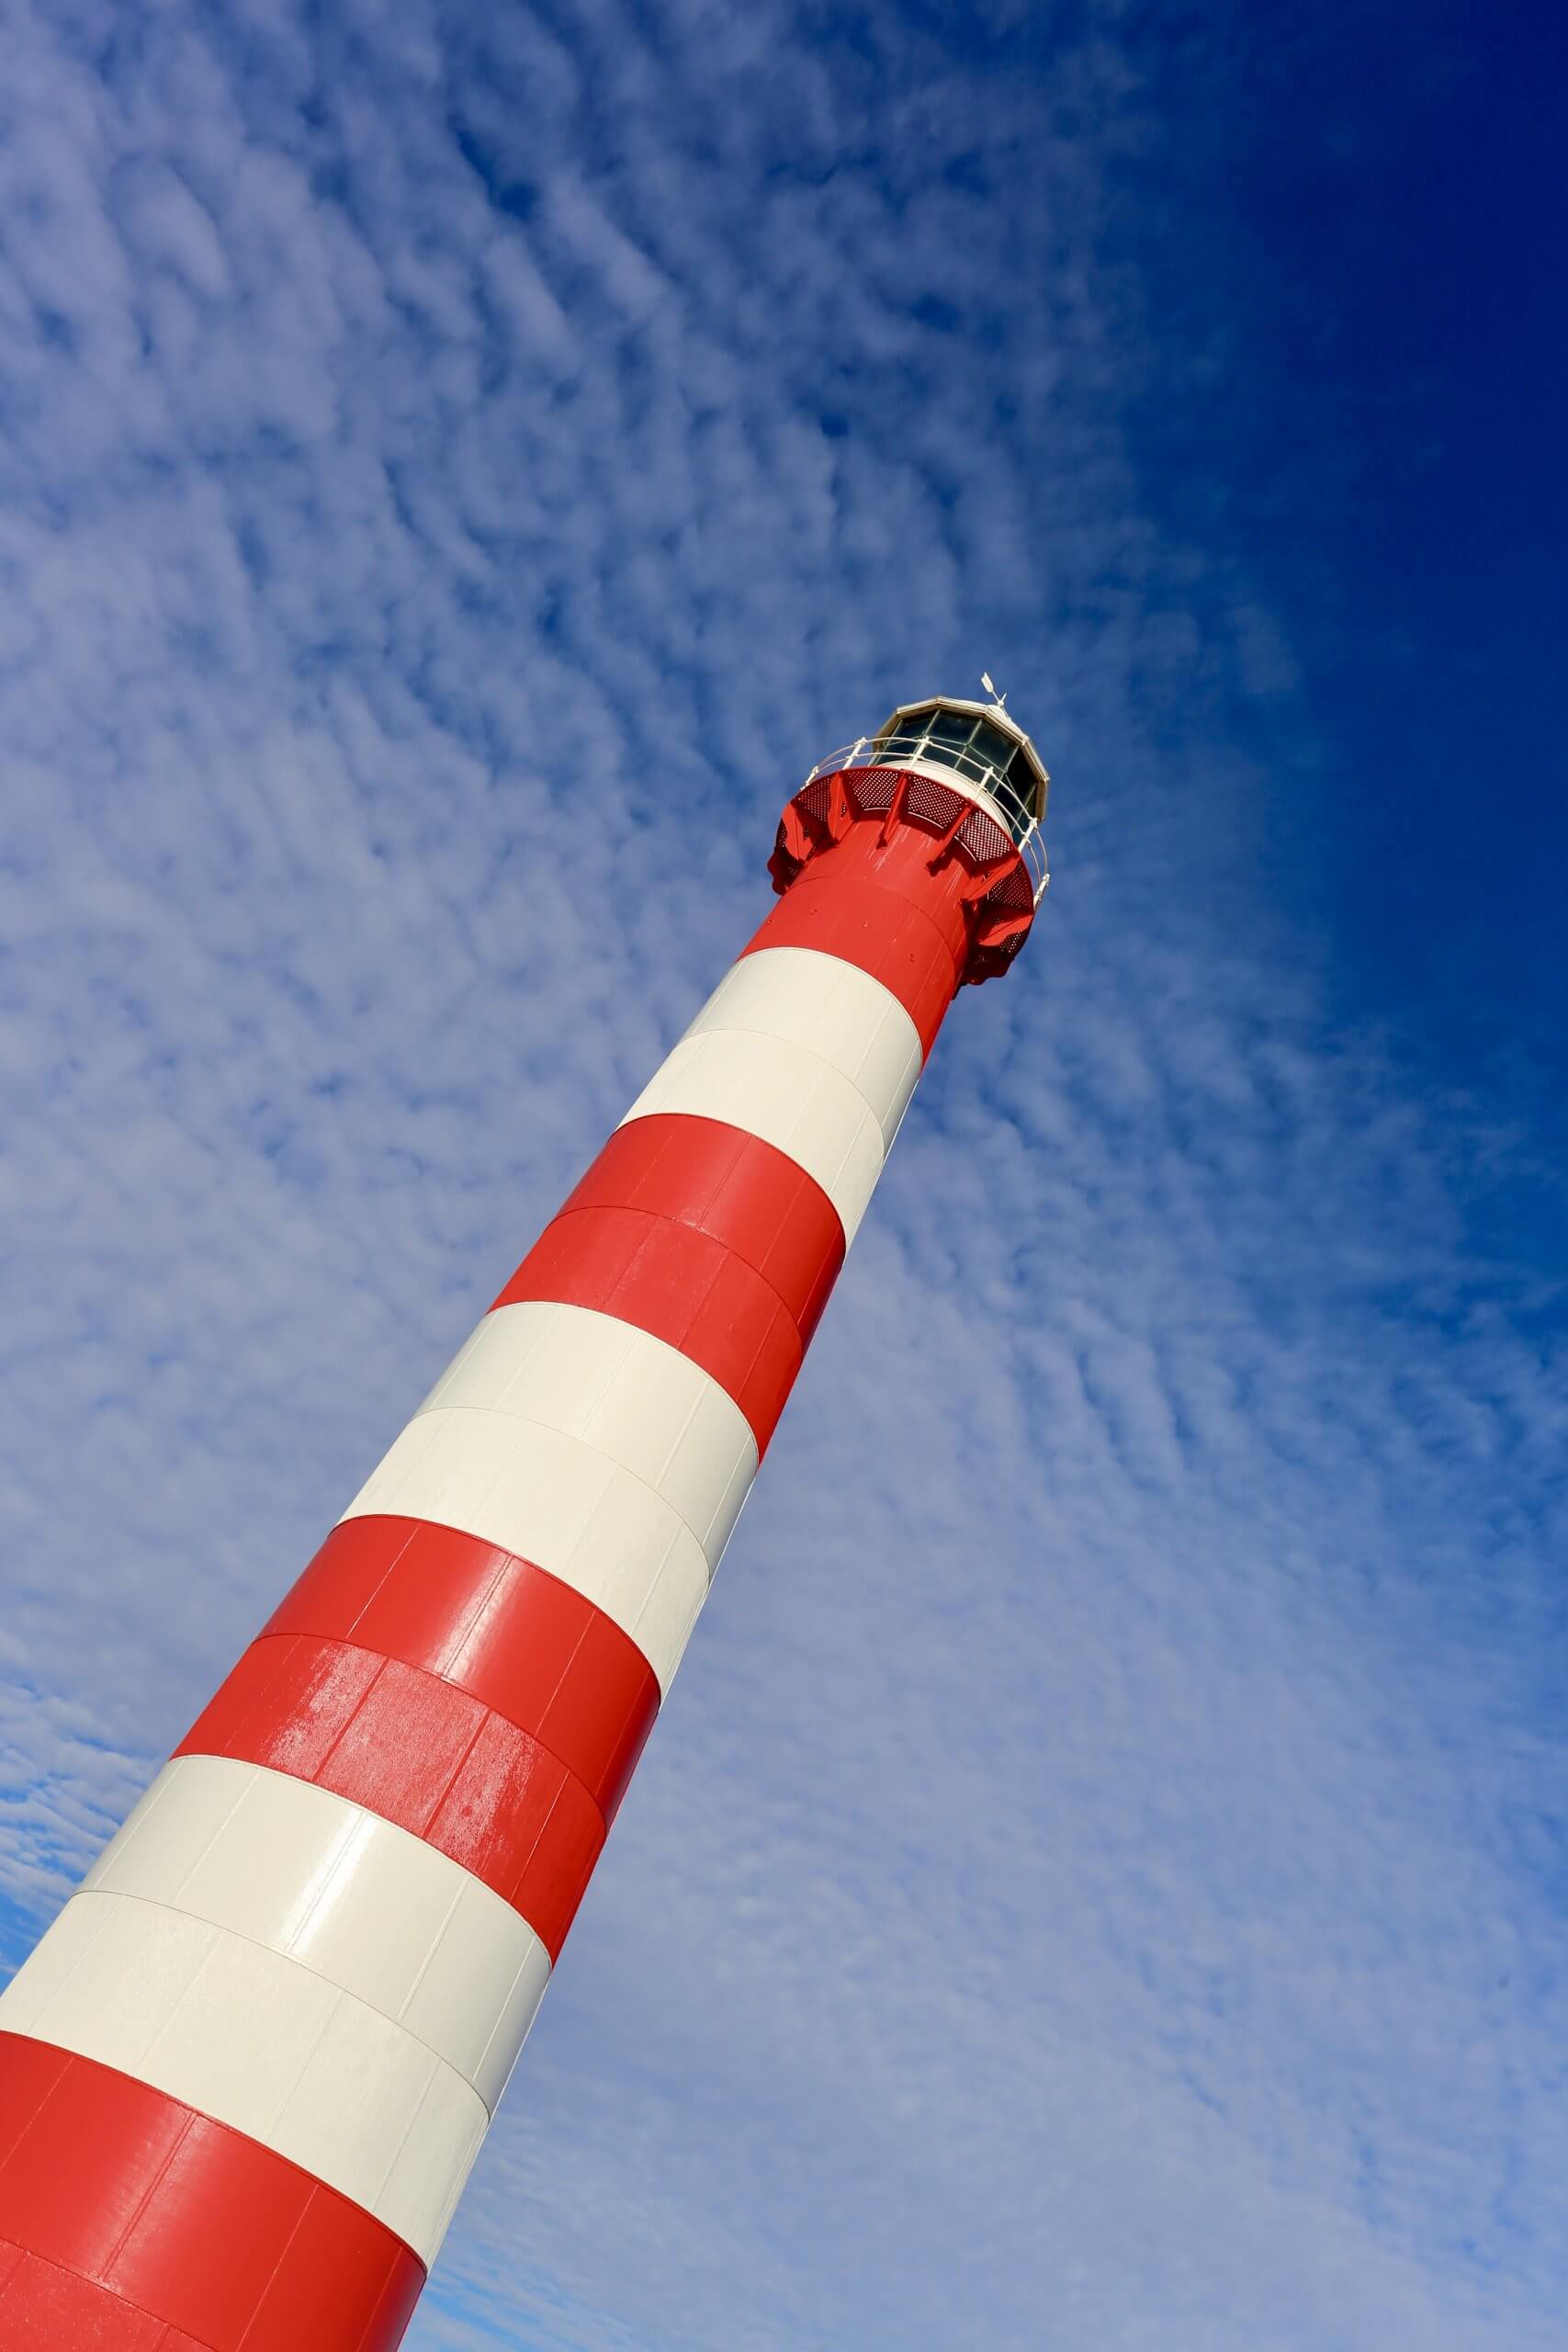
(1099, 1880)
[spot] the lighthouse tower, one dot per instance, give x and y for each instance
(245, 2075)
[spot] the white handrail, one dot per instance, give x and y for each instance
(896, 751)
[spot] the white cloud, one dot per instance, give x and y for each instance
(1090, 1885)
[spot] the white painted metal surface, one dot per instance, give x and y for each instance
(258, 2041)
(367, 1905)
(833, 1009)
(554, 1500)
(789, 1097)
(634, 1399)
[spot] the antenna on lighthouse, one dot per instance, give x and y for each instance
(1000, 700)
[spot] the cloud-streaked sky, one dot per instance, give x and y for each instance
(1099, 1879)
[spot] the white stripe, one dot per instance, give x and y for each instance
(833, 1103)
(833, 1009)
(631, 1396)
(787, 1097)
(257, 2042)
(555, 1501)
(360, 1902)
(589, 1447)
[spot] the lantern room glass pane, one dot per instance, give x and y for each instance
(1023, 781)
(991, 744)
(907, 732)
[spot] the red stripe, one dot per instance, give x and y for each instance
(504, 1631)
(125, 2214)
(418, 1752)
(721, 1181)
(43, 2309)
(878, 905)
(707, 1238)
(680, 1285)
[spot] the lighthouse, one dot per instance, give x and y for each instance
(245, 2073)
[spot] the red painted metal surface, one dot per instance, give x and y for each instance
(706, 1238)
(500, 1629)
(870, 904)
(683, 1287)
(719, 1181)
(722, 1180)
(891, 829)
(421, 1753)
(130, 2223)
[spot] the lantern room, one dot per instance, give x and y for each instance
(975, 746)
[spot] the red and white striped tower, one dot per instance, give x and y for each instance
(245, 2075)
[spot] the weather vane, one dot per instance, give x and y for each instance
(1000, 700)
